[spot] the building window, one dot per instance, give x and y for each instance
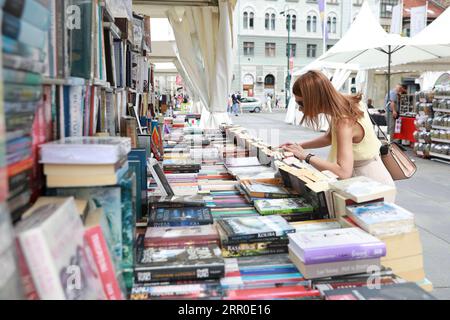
(294, 22)
(249, 48)
(270, 49)
(293, 48)
(288, 21)
(245, 20)
(311, 50)
(267, 21)
(251, 21)
(311, 23)
(386, 8)
(291, 22)
(269, 82)
(332, 24)
(272, 21)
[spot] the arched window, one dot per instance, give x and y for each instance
(311, 22)
(272, 21)
(329, 25)
(267, 21)
(251, 21)
(269, 81)
(294, 22)
(334, 25)
(245, 20)
(288, 21)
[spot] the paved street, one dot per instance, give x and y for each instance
(427, 195)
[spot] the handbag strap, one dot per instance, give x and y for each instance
(374, 122)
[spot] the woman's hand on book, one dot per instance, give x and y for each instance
(297, 150)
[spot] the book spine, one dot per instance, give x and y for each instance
(17, 62)
(23, 31)
(179, 223)
(76, 112)
(347, 253)
(30, 11)
(20, 77)
(232, 253)
(22, 93)
(37, 254)
(146, 275)
(13, 47)
(105, 267)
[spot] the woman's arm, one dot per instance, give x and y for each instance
(344, 166)
(320, 142)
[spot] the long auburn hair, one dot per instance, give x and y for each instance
(319, 96)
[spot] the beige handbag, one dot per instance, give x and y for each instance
(396, 161)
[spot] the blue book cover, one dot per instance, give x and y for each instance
(135, 165)
(140, 155)
(180, 217)
(128, 195)
(30, 11)
(67, 129)
(23, 31)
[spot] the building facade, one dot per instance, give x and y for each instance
(265, 27)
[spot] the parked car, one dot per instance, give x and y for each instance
(251, 105)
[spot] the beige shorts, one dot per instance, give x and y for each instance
(375, 170)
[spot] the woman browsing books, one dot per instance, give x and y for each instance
(355, 148)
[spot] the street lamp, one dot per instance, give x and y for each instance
(288, 54)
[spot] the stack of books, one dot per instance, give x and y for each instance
(24, 31)
(85, 162)
(251, 236)
(359, 202)
(335, 252)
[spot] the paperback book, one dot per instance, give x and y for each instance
(247, 228)
(172, 217)
(336, 245)
(283, 206)
(181, 236)
(174, 264)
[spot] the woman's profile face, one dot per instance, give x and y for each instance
(299, 102)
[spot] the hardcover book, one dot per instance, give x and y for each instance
(52, 242)
(247, 228)
(277, 206)
(336, 245)
(165, 217)
(86, 150)
(362, 189)
(172, 264)
(382, 219)
(181, 236)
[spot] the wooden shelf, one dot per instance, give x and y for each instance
(440, 140)
(438, 155)
(442, 110)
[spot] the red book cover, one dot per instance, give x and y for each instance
(99, 249)
(19, 167)
(272, 293)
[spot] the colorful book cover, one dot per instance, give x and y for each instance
(380, 213)
(336, 245)
(173, 217)
(98, 238)
(108, 198)
(181, 236)
(279, 206)
(30, 11)
(52, 241)
(128, 197)
(246, 228)
(170, 264)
